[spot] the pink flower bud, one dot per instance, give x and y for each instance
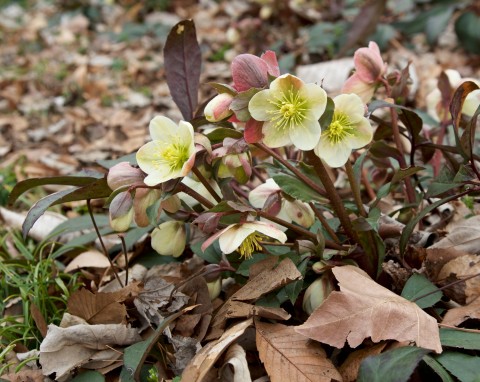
(123, 174)
(218, 108)
(369, 64)
(249, 71)
(121, 211)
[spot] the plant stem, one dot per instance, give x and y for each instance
(324, 222)
(332, 194)
(206, 183)
(355, 189)
(300, 230)
(194, 194)
(105, 252)
(293, 169)
(124, 249)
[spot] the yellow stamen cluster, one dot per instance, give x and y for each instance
(290, 110)
(251, 244)
(339, 128)
(174, 155)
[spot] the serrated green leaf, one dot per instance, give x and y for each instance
(418, 285)
(464, 367)
(394, 365)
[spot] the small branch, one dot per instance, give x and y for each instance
(293, 169)
(206, 183)
(371, 194)
(332, 195)
(124, 249)
(105, 252)
(324, 222)
(194, 194)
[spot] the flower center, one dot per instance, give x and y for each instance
(339, 129)
(175, 155)
(251, 244)
(290, 110)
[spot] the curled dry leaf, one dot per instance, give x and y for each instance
(88, 259)
(364, 309)
(64, 349)
(289, 356)
(456, 316)
(235, 368)
(464, 235)
(198, 368)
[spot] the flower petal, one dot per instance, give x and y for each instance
(350, 104)
(253, 131)
(334, 155)
(273, 136)
(271, 59)
(249, 71)
(259, 195)
(369, 63)
(355, 85)
(260, 107)
(266, 229)
(161, 128)
(362, 134)
(316, 97)
(306, 136)
(230, 240)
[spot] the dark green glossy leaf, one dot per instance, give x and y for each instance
(437, 368)
(212, 254)
(464, 367)
(183, 59)
(418, 285)
(221, 133)
(293, 289)
(460, 339)
(327, 115)
(89, 376)
(394, 365)
(294, 187)
(405, 173)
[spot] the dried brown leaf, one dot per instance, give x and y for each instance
(235, 368)
(39, 319)
(364, 309)
(88, 259)
(456, 316)
(464, 235)
(289, 356)
(349, 369)
(197, 370)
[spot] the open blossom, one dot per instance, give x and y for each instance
(170, 154)
(369, 68)
(245, 237)
(348, 130)
(290, 210)
(434, 98)
(290, 109)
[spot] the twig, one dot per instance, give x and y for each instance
(324, 222)
(206, 183)
(124, 249)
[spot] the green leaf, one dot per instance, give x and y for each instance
(418, 285)
(394, 365)
(98, 189)
(240, 104)
(405, 173)
(460, 339)
(437, 368)
(467, 28)
(294, 187)
(82, 223)
(464, 367)
(28, 184)
(437, 23)
(221, 133)
(89, 376)
(327, 116)
(244, 268)
(293, 289)
(212, 254)
(183, 59)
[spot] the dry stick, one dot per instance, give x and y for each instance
(124, 249)
(332, 195)
(206, 183)
(324, 222)
(293, 169)
(180, 187)
(355, 189)
(368, 187)
(105, 252)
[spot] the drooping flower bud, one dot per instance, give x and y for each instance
(316, 293)
(170, 238)
(121, 211)
(144, 198)
(214, 288)
(124, 174)
(219, 107)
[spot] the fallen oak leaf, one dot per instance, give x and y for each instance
(289, 356)
(456, 316)
(364, 309)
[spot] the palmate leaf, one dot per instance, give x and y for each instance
(182, 67)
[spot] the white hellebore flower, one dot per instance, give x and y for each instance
(245, 237)
(170, 238)
(290, 210)
(170, 154)
(290, 109)
(348, 130)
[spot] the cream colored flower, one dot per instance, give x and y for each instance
(170, 154)
(245, 237)
(290, 109)
(170, 238)
(348, 130)
(290, 209)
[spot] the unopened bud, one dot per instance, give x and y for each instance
(121, 211)
(316, 293)
(214, 288)
(123, 174)
(219, 107)
(170, 238)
